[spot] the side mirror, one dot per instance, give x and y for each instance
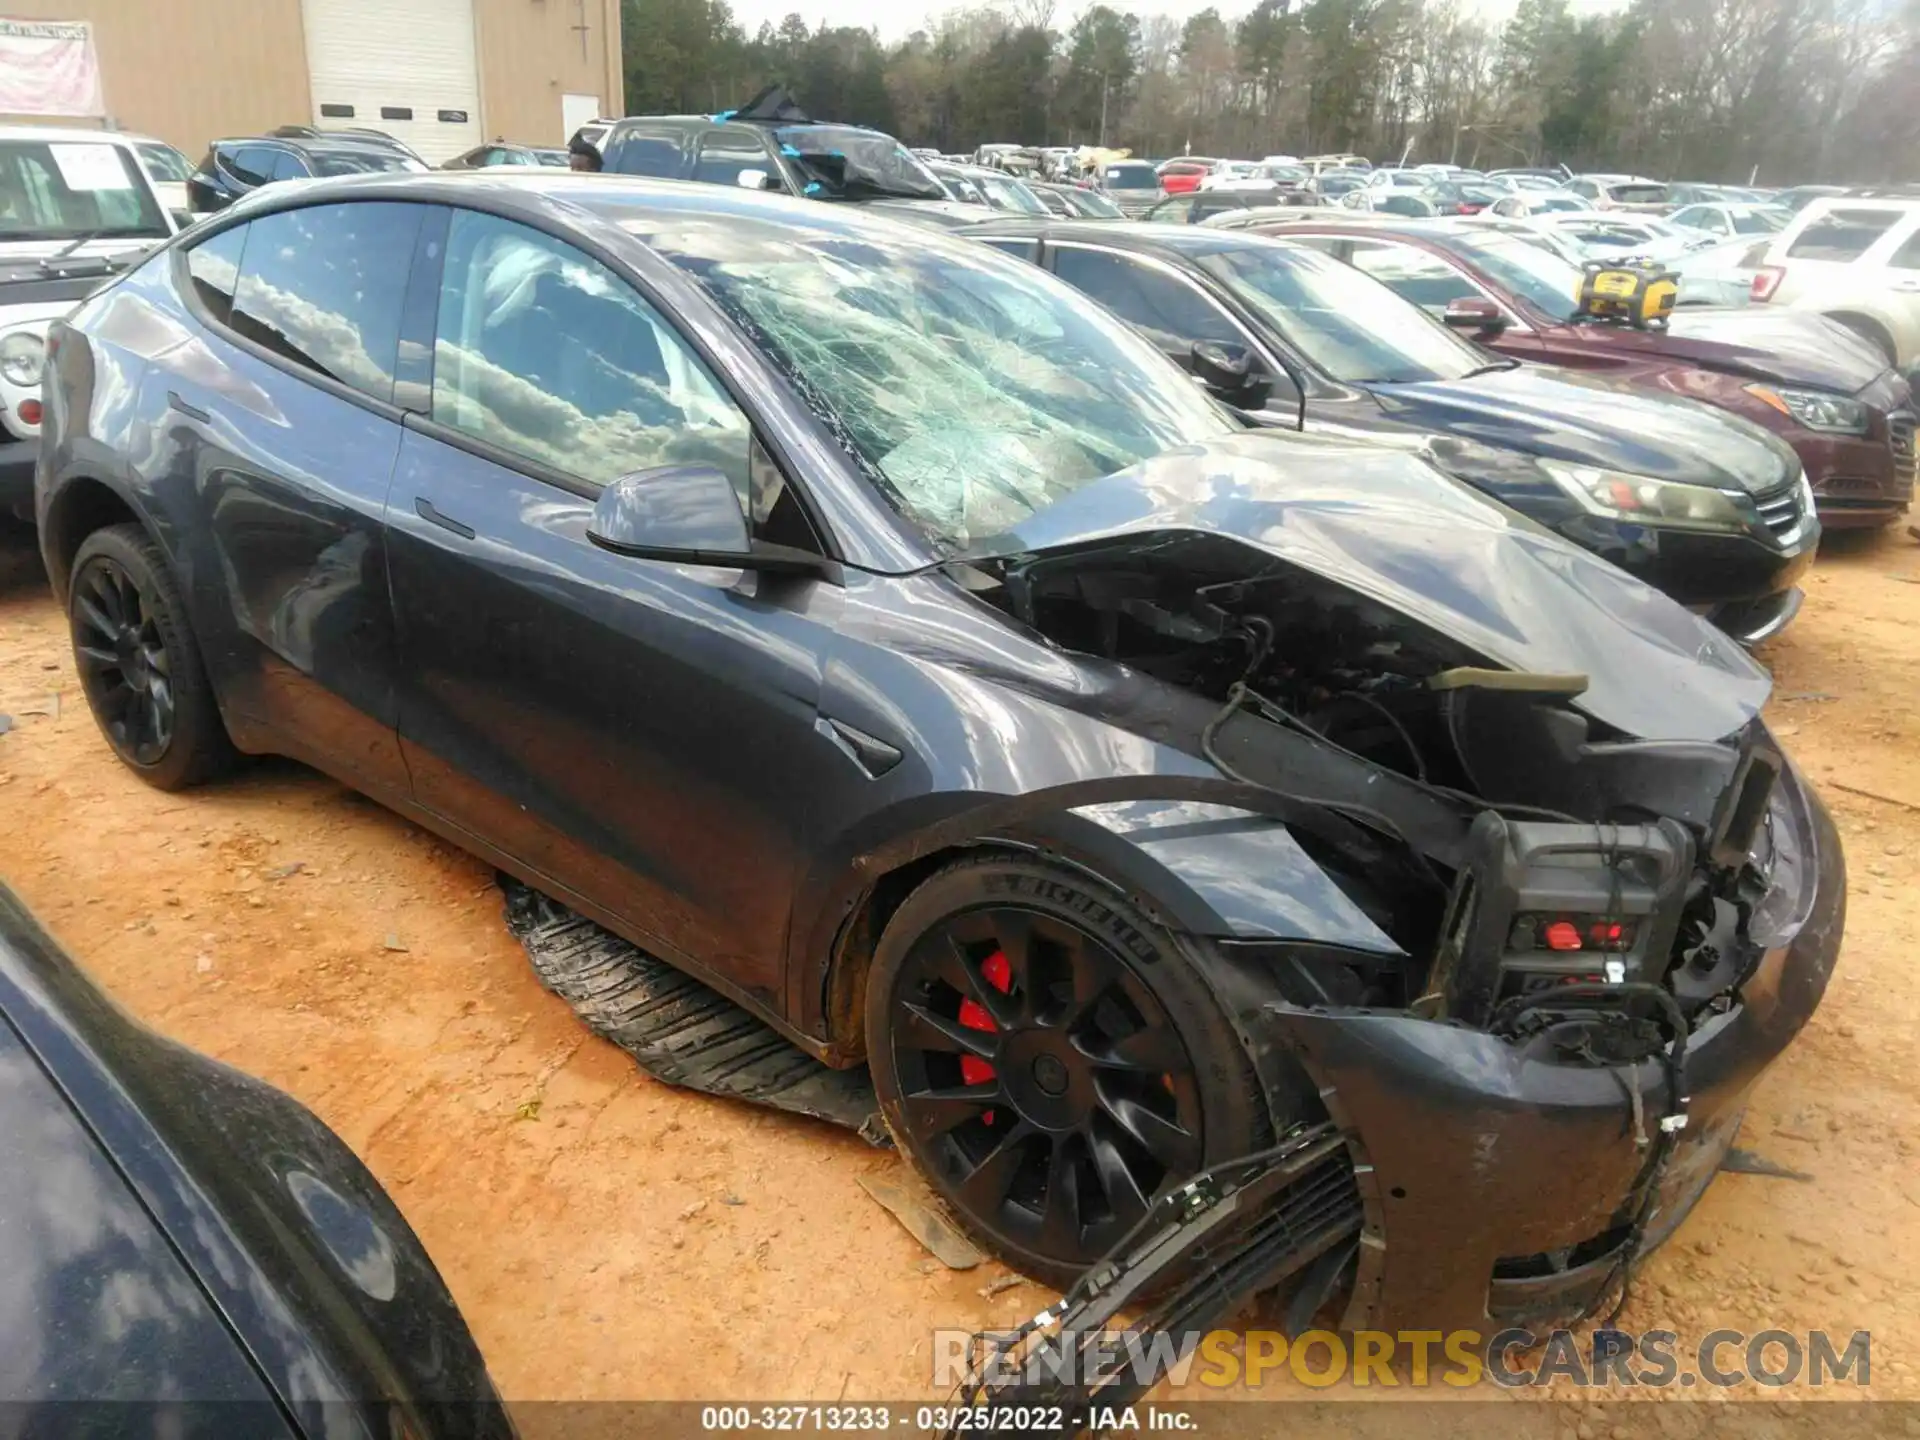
(690, 515)
(1476, 313)
(1230, 373)
(758, 180)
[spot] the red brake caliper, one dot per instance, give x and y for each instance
(973, 1015)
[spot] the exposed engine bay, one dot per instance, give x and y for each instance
(1581, 892)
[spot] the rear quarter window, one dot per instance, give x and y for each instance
(213, 269)
(1841, 234)
(322, 287)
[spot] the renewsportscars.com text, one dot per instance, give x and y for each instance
(1608, 1359)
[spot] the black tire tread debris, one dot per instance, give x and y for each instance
(679, 1031)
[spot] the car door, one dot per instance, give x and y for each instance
(1903, 263)
(278, 444)
(636, 736)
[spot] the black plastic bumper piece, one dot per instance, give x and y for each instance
(1497, 1186)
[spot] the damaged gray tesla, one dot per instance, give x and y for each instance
(866, 623)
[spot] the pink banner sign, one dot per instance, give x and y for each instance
(47, 67)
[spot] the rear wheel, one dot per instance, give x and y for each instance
(138, 662)
(1049, 1058)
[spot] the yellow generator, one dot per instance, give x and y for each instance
(1639, 291)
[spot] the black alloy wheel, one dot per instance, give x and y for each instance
(123, 660)
(1045, 1086)
(139, 666)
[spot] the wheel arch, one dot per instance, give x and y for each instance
(81, 505)
(1209, 870)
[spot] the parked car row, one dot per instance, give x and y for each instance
(868, 622)
(1836, 400)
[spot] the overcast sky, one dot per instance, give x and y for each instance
(894, 20)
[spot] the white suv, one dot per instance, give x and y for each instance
(1856, 260)
(76, 208)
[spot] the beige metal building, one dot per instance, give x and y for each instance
(442, 75)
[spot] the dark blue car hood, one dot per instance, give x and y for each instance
(1389, 526)
(1562, 415)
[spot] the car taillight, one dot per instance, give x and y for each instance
(29, 412)
(1766, 280)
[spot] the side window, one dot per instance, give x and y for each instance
(1176, 211)
(1907, 257)
(642, 153)
(1841, 234)
(724, 157)
(1172, 313)
(213, 268)
(544, 352)
(1019, 249)
(1425, 279)
(323, 286)
(289, 166)
(249, 164)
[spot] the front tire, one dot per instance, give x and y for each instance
(1049, 1058)
(139, 664)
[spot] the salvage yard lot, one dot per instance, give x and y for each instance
(609, 1237)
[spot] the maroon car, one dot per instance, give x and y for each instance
(1822, 389)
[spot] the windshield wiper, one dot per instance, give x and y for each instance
(1504, 363)
(71, 246)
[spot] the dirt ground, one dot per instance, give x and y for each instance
(609, 1237)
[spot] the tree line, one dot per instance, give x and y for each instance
(1784, 91)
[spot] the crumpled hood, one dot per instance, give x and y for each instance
(1589, 420)
(1389, 526)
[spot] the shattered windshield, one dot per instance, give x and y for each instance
(846, 163)
(1349, 324)
(974, 389)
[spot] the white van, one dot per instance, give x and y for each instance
(76, 208)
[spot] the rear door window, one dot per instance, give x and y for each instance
(249, 164)
(1841, 235)
(289, 166)
(649, 152)
(1172, 312)
(322, 287)
(1413, 274)
(213, 269)
(1907, 257)
(724, 158)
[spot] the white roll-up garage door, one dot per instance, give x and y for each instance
(403, 66)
